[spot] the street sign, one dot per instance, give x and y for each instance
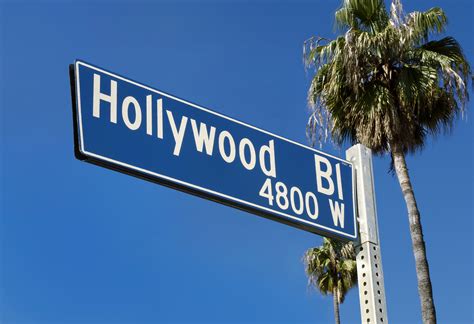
(132, 128)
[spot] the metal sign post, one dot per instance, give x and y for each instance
(369, 262)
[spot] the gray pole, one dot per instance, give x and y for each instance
(373, 308)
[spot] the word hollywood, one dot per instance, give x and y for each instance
(147, 132)
(204, 136)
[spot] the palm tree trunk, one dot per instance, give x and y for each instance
(335, 299)
(428, 311)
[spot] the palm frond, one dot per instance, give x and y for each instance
(420, 25)
(369, 15)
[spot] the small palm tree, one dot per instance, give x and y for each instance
(387, 84)
(331, 268)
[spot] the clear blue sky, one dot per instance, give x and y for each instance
(82, 244)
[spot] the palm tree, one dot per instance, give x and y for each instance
(331, 268)
(388, 84)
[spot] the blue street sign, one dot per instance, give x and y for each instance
(132, 128)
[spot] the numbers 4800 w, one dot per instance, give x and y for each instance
(293, 198)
